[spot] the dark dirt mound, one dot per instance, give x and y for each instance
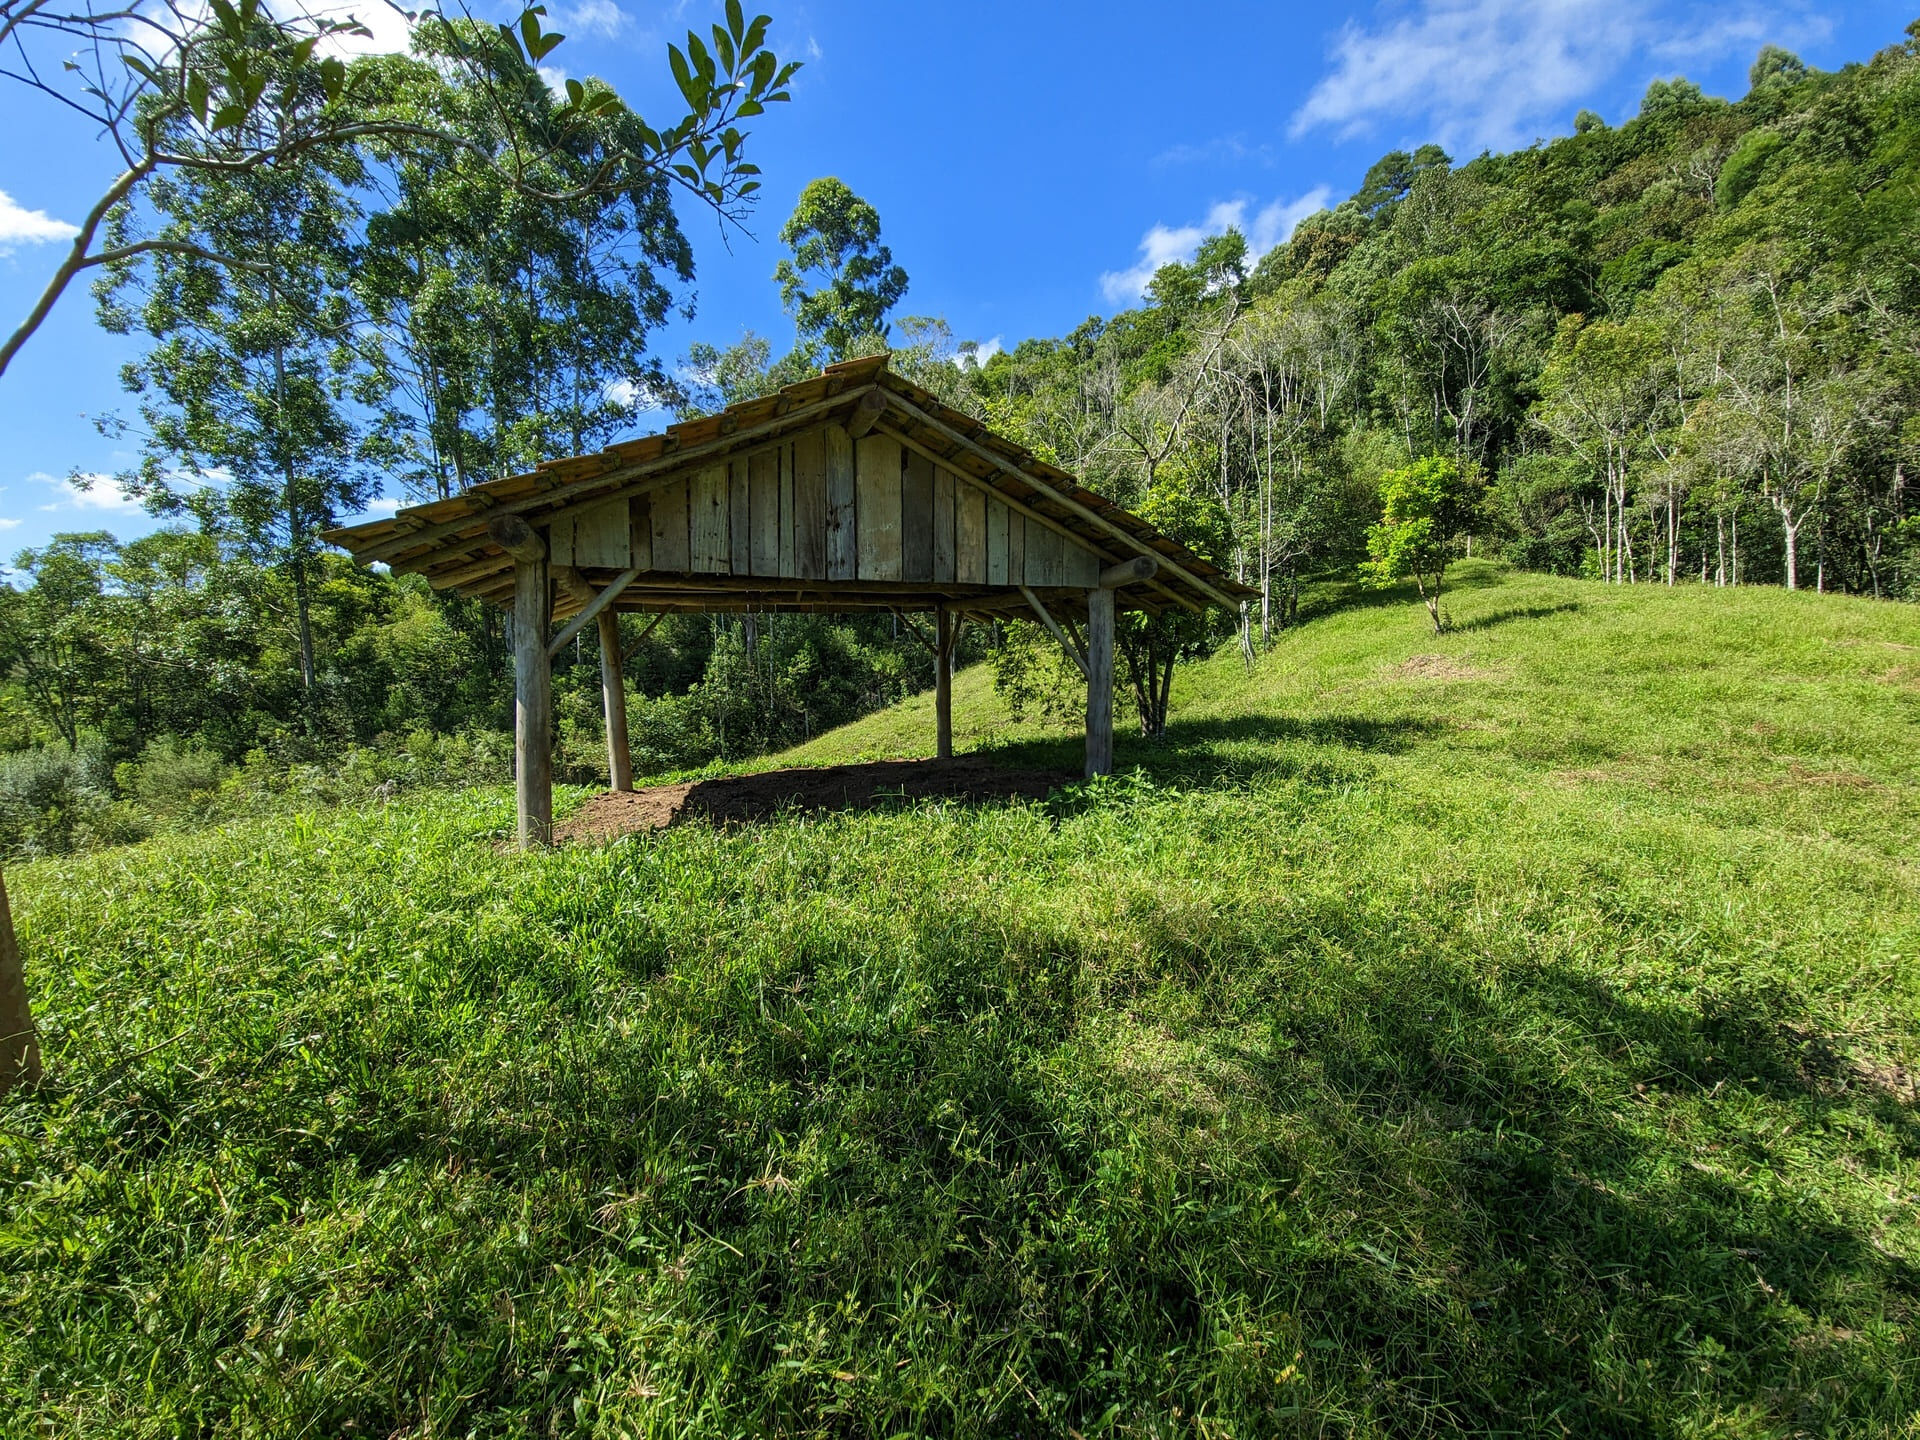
(744, 799)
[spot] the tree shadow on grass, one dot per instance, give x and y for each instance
(1014, 1173)
(1523, 612)
(991, 1151)
(1224, 750)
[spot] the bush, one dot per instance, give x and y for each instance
(55, 800)
(173, 779)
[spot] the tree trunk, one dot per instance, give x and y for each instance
(533, 703)
(19, 1042)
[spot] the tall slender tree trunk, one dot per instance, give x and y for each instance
(296, 536)
(19, 1042)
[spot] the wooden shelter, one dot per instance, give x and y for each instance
(853, 490)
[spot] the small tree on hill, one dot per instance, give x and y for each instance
(1425, 507)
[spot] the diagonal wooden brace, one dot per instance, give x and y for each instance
(586, 617)
(1074, 652)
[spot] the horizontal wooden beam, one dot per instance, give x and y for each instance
(1129, 572)
(517, 538)
(867, 413)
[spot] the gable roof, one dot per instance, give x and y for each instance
(447, 540)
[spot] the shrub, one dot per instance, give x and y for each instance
(55, 800)
(173, 779)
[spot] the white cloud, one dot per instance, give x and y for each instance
(19, 226)
(8, 523)
(1221, 150)
(981, 353)
(389, 31)
(101, 492)
(1497, 74)
(556, 79)
(1162, 244)
(382, 505)
(596, 17)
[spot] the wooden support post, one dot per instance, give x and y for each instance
(1099, 682)
(944, 636)
(532, 678)
(19, 1044)
(613, 695)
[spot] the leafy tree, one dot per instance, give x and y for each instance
(514, 319)
(1775, 66)
(244, 391)
(48, 644)
(840, 281)
(1392, 176)
(239, 86)
(1425, 508)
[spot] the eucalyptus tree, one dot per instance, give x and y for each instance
(512, 320)
(840, 281)
(180, 86)
(1597, 393)
(244, 392)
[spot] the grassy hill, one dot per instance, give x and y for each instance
(1514, 1031)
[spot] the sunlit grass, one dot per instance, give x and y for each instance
(1509, 1031)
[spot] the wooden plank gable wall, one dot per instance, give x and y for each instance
(823, 506)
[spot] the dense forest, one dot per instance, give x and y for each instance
(1683, 350)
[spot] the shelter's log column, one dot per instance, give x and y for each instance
(1100, 610)
(532, 678)
(613, 692)
(1099, 681)
(943, 683)
(19, 1044)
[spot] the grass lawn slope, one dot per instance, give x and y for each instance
(1509, 1031)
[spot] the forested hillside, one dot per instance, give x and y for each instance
(1686, 348)
(1683, 350)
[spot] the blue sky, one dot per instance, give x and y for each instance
(1031, 163)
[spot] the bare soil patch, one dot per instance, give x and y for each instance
(1438, 667)
(748, 799)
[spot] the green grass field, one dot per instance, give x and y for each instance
(1509, 1032)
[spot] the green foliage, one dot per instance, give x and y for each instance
(841, 281)
(1745, 165)
(1505, 1032)
(55, 800)
(1425, 508)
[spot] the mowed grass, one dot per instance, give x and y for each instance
(1507, 1032)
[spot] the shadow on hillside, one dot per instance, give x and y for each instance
(1200, 753)
(1475, 1194)
(1522, 612)
(1330, 596)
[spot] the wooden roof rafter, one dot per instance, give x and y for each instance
(448, 541)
